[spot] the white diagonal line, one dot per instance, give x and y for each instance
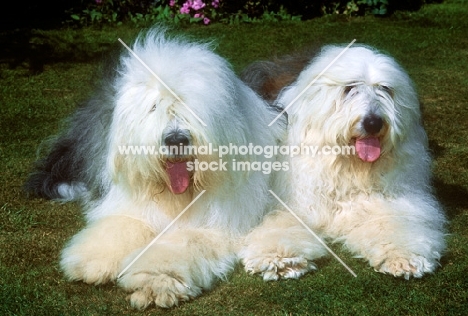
(162, 82)
(312, 82)
(160, 234)
(315, 235)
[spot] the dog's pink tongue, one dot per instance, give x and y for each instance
(368, 149)
(179, 176)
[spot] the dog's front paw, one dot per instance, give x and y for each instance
(94, 255)
(163, 290)
(274, 267)
(415, 267)
(88, 269)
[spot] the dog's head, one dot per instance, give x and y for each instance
(182, 99)
(362, 98)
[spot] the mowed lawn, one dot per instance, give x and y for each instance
(44, 75)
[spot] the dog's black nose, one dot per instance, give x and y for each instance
(372, 124)
(175, 139)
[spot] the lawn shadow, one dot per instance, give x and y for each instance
(435, 149)
(34, 49)
(453, 197)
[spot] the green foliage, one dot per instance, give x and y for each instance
(116, 12)
(376, 7)
(266, 16)
(144, 12)
(359, 7)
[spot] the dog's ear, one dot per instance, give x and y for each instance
(268, 78)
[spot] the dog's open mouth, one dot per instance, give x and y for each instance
(368, 148)
(179, 176)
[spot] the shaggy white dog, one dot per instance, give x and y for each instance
(378, 201)
(131, 198)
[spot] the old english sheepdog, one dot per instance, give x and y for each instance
(131, 197)
(377, 202)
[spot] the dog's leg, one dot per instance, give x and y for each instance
(280, 248)
(178, 267)
(95, 254)
(402, 237)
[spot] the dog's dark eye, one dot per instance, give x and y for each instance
(153, 108)
(349, 90)
(387, 90)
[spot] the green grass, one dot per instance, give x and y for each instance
(42, 83)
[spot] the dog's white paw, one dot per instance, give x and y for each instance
(273, 267)
(89, 270)
(163, 290)
(415, 267)
(94, 255)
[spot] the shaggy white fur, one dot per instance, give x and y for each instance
(130, 198)
(378, 201)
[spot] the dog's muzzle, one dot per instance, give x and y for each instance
(176, 138)
(176, 164)
(372, 124)
(368, 147)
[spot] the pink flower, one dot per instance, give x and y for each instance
(206, 21)
(186, 7)
(198, 4)
(198, 15)
(215, 4)
(171, 3)
(98, 1)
